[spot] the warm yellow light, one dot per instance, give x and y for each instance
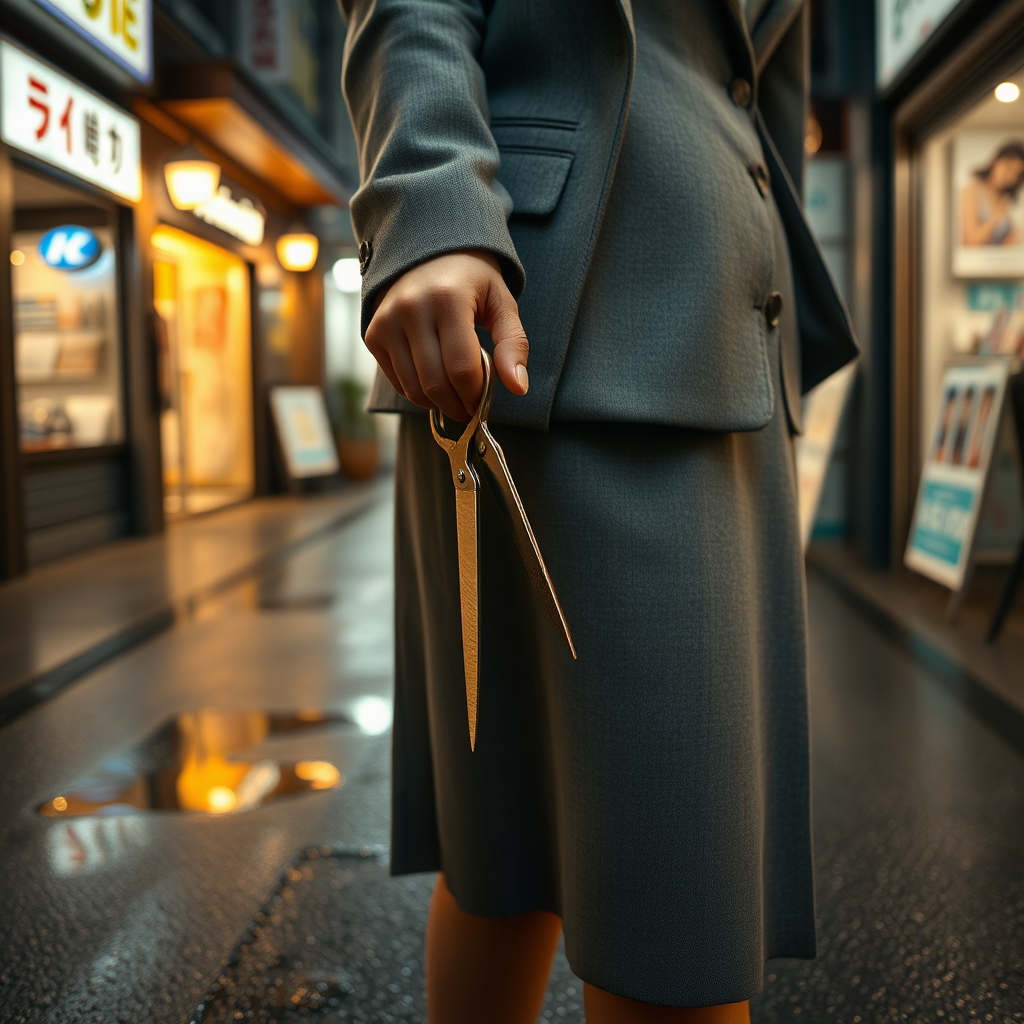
(297, 250)
(17, 257)
(191, 182)
(321, 774)
(60, 804)
(813, 136)
(220, 799)
(1007, 92)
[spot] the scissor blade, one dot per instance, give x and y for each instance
(511, 505)
(467, 518)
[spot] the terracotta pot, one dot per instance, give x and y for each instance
(359, 457)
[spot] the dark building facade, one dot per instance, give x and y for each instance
(140, 331)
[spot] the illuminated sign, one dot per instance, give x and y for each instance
(44, 113)
(69, 247)
(239, 218)
(903, 27)
(122, 29)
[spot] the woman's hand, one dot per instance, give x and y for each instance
(422, 333)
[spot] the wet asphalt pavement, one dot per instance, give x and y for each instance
(284, 912)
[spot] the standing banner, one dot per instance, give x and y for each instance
(823, 410)
(304, 431)
(957, 475)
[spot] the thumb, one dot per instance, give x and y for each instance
(511, 347)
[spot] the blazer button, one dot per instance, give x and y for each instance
(773, 309)
(740, 90)
(365, 255)
(761, 180)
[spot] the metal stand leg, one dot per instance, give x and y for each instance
(1012, 582)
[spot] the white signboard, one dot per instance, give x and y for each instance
(304, 431)
(265, 34)
(953, 483)
(48, 115)
(122, 29)
(903, 27)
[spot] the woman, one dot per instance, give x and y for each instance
(628, 171)
(990, 196)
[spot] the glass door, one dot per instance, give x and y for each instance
(204, 338)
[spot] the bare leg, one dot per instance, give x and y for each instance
(486, 969)
(604, 1008)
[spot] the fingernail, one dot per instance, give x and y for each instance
(523, 377)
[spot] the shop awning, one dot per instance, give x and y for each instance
(219, 105)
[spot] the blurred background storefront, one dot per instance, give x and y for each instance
(174, 180)
(922, 514)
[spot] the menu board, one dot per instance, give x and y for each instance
(956, 474)
(304, 431)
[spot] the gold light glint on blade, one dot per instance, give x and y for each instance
(191, 179)
(297, 250)
(1007, 92)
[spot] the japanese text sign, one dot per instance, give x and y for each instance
(122, 29)
(46, 114)
(955, 475)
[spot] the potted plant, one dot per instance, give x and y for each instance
(355, 430)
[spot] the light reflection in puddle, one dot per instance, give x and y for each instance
(194, 762)
(372, 715)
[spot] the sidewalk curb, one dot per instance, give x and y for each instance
(978, 697)
(36, 689)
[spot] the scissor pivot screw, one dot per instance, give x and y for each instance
(482, 447)
(462, 476)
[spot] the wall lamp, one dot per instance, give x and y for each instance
(191, 178)
(297, 250)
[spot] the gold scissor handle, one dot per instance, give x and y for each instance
(459, 450)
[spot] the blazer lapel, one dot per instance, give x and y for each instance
(626, 6)
(771, 27)
(740, 21)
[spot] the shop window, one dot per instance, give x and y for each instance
(972, 244)
(66, 317)
(202, 325)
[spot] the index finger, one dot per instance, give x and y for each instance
(460, 350)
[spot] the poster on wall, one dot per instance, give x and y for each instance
(303, 430)
(988, 205)
(956, 474)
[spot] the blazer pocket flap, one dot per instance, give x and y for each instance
(534, 178)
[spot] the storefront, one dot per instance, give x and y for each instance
(70, 163)
(146, 324)
(958, 308)
(936, 455)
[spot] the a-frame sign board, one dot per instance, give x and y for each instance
(969, 506)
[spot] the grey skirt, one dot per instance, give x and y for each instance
(654, 793)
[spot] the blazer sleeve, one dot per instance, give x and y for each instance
(417, 97)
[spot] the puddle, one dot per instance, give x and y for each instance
(283, 992)
(202, 761)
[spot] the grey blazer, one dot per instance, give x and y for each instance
(497, 125)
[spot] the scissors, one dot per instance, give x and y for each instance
(475, 448)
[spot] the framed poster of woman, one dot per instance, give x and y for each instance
(988, 208)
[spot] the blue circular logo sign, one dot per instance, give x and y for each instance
(69, 247)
